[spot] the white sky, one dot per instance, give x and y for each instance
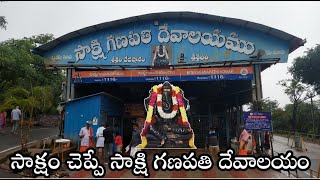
(300, 19)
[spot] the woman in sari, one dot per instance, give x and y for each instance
(243, 141)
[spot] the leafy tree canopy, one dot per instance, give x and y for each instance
(3, 21)
(307, 68)
(20, 68)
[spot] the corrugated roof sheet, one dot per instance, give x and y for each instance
(295, 42)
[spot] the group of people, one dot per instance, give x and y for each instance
(247, 142)
(107, 140)
(15, 118)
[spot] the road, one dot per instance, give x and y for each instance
(280, 144)
(9, 140)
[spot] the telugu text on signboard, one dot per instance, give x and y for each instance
(257, 121)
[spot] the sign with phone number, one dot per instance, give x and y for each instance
(196, 74)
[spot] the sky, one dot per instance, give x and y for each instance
(300, 19)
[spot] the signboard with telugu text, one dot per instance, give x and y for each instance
(257, 121)
(195, 74)
(172, 42)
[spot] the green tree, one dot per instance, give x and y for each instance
(3, 22)
(17, 63)
(266, 105)
(304, 117)
(39, 98)
(317, 115)
(17, 96)
(25, 81)
(19, 67)
(294, 89)
(307, 68)
(281, 119)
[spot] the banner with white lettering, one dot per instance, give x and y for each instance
(257, 121)
(160, 75)
(172, 42)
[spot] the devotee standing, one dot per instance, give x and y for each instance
(15, 115)
(108, 135)
(86, 134)
(243, 141)
(213, 143)
(100, 141)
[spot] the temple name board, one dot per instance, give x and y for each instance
(172, 42)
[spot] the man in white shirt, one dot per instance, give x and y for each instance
(100, 141)
(86, 134)
(15, 115)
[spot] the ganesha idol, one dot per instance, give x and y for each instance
(166, 124)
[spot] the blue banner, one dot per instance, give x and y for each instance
(172, 42)
(257, 121)
(164, 78)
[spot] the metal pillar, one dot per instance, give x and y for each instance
(256, 99)
(228, 113)
(312, 117)
(241, 114)
(72, 94)
(238, 116)
(70, 85)
(210, 115)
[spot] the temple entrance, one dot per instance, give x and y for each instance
(217, 76)
(210, 103)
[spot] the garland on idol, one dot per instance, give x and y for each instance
(156, 99)
(177, 101)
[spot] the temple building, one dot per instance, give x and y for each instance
(215, 61)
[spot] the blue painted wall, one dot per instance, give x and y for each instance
(112, 106)
(87, 108)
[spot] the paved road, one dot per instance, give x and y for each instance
(280, 144)
(5, 174)
(9, 140)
